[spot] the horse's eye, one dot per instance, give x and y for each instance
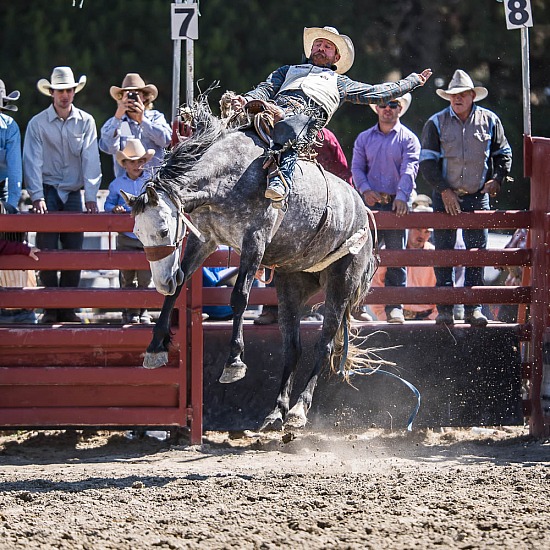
(164, 233)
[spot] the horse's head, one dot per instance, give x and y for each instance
(160, 226)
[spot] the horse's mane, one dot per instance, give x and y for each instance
(207, 129)
(171, 176)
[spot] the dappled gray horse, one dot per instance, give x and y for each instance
(322, 241)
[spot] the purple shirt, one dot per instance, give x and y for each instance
(386, 163)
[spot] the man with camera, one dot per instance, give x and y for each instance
(135, 118)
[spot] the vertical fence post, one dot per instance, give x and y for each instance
(539, 149)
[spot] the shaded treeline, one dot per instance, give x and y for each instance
(241, 41)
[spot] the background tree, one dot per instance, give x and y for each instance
(242, 41)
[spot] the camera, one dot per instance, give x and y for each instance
(133, 95)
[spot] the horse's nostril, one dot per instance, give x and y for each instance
(171, 287)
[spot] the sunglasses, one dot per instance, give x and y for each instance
(390, 104)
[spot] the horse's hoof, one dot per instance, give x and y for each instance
(295, 422)
(272, 423)
(232, 373)
(296, 417)
(155, 360)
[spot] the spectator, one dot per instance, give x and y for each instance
(417, 276)
(10, 149)
(60, 157)
(14, 247)
(466, 158)
(13, 243)
(384, 168)
(216, 277)
(132, 159)
(310, 93)
(135, 118)
(332, 158)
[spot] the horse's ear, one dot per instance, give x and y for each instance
(128, 197)
(152, 195)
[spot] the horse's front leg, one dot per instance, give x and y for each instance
(235, 368)
(157, 351)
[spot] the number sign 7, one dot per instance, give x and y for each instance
(185, 22)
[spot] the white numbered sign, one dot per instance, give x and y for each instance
(518, 14)
(185, 22)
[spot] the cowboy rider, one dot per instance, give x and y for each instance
(310, 93)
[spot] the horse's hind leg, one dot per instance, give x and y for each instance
(343, 279)
(293, 291)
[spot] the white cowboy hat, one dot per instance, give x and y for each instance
(132, 81)
(404, 100)
(134, 150)
(13, 96)
(461, 82)
(343, 44)
(62, 79)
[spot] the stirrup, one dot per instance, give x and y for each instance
(280, 205)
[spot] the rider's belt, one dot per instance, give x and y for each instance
(411, 315)
(385, 198)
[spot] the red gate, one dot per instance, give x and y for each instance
(90, 375)
(75, 375)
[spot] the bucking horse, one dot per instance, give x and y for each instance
(321, 241)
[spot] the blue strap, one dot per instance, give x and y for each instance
(369, 370)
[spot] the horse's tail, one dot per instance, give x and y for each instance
(344, 349)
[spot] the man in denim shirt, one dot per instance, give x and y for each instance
(10, 150)
(60, 157)
(465, 157)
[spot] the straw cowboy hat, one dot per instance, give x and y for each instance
(461, 82)
(342, 42)
(13, 96)
(132, 81)
(134, 150)
(62, 79)
(404, 100)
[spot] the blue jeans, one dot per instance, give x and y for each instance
(12, 316)
(445, 239)
(61, 241)
(287, 164)
(394, 239)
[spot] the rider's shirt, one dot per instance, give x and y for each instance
(318, 83)
(348, 90)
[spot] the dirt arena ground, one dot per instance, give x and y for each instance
(450, 488)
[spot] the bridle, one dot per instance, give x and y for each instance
(161, 251)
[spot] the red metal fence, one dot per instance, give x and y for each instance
(90, 375)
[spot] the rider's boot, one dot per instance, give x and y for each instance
(280, 178)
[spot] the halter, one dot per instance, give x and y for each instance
(161, 251)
